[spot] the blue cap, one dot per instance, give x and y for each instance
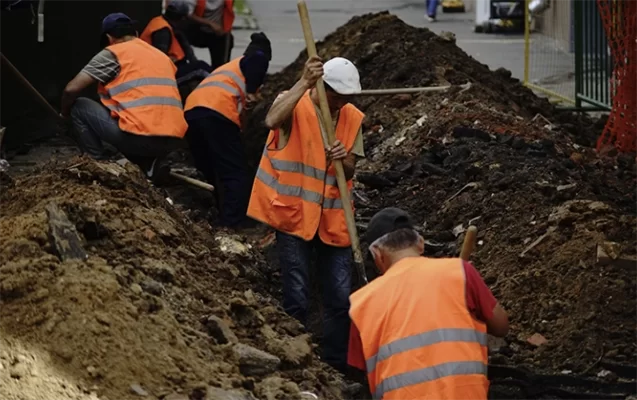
(114, 20)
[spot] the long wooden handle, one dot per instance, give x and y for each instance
(193, 181)
(469, 242)
(28, 84)
(380, 92)
(327, 122)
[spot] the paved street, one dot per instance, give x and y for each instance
(279, 20)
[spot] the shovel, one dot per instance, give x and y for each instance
(430, 89)
(338, 165)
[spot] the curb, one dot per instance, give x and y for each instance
(244, 19)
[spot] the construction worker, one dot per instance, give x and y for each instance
(165, 33)
(296, 193)
(211, 27)
(420, 330)
(141, 114)
(214, 111)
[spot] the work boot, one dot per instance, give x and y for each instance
(156, 170)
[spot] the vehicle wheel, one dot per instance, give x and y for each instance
(487, 27)
(445, 9)
(478, 29)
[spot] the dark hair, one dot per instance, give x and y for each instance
(400, 239)
(120, 31)
(173, 15)
(328, 88)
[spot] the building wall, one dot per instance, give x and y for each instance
(71, 38)
(556, 22)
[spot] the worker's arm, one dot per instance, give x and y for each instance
(216, 28)
(73, 90)
(162, 39)
(483, 305)
(338, 152)
(355, 356)
(282, 108)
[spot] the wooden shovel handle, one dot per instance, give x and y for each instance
(469, 243)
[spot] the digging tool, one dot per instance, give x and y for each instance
(469, 242)
(193, 181)
(392, 91)
(338, 165)
(28, 84)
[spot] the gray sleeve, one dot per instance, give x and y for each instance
(104, 67)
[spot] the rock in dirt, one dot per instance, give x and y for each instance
(294, 353)
(214, 393)
(255, 362)
(137, 389)
(64, 235)
(219, 329)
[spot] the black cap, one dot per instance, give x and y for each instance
(386, 221)
(259, 44)
(112, 21)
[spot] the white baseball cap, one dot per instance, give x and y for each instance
(342, 76)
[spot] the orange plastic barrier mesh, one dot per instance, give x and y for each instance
(620, 24)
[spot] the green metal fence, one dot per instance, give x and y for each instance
(593, 61)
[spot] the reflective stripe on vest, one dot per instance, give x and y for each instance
(441, 356)
(294, 191)
(144, 96)
(223, 91)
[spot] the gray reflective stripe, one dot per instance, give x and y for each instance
(236, 92)
(331, 180)
(234, 77)
(294, 166)
(429, 374)
(332, 203)
(146, 101)
(289, 190)
(122, 87)
(422, 340)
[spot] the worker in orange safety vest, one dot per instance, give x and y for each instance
(141, 113)
(211, 27)
(215, 111)
(419, 331)
(295, 192)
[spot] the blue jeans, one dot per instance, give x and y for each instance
(431, 6)
(334, 270)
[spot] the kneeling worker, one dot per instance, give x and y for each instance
(296, 193)
(214, 111)
(420, 330)
(141, 114)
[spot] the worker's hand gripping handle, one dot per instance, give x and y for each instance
(469, 243)
(338, 165)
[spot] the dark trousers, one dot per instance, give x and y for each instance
(431, 6)
(94, 127)
(220, 47)
(216, 146)
(334, 270)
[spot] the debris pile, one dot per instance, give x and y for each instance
(498, 157)
(107, 291)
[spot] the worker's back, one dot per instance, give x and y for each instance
(144, 95)
(419, 339)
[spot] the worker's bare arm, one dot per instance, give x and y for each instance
(349, 166)
(216, 28)
(498, 325)
(73, 89)
(282, 108)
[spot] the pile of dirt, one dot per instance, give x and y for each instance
(160, 307)
(500, 158)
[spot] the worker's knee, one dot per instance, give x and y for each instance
(82, 107)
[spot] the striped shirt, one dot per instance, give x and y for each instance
(104, 67)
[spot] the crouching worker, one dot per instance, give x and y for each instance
(165, 32)
(141, 114)
(420, 330)
(295, 192)
(214, 111)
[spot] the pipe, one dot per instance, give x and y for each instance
(41, 21)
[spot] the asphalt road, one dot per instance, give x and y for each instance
(279, 20)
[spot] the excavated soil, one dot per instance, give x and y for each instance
(161, 306)
(532, 176)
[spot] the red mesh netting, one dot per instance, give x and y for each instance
(620, 24)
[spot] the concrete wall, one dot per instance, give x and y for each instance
(71, 38)
(556, 21)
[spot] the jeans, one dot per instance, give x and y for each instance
(431, 6)
(216, 146)
(334, 271)
(94, 126)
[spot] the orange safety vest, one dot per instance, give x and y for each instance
(419, 339)
(294, 191)
(228, 13)
(223, 91)
(144, 95)
(175, 51)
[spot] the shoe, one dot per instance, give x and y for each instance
(431, 19)
(157, 171)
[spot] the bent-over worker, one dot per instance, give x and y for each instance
(211, 27)
(420, 330)
(214, 111)
(296, 193)
(141, 114)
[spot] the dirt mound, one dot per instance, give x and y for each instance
(160, 306)
(505, 160)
